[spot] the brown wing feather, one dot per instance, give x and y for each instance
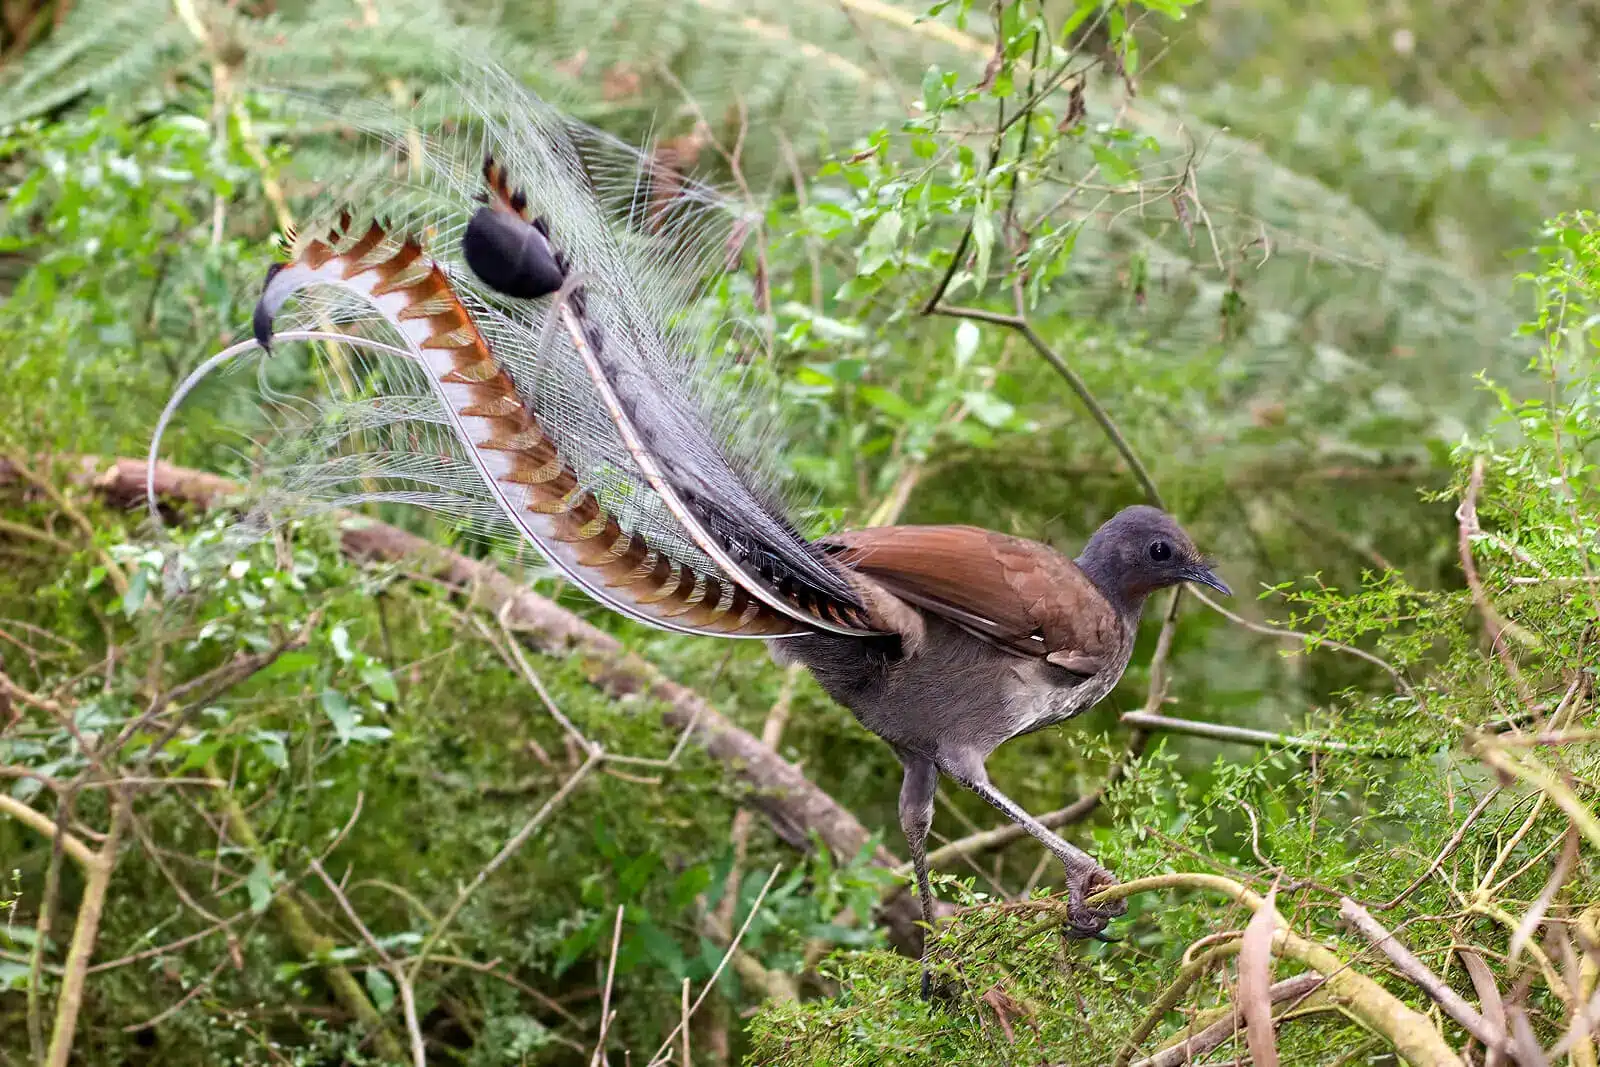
(1021, 594)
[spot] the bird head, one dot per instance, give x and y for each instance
(1142, 549)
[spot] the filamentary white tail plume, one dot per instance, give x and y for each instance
(514, 296)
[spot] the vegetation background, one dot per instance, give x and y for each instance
(1329, 274)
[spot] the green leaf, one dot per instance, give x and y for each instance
(339, 712)
(288, 663)
(887, 402)
(989, 409)
(259, 886)
(339, 637)
(690, 884)
(381, 987)
(378, 679)
(270, 743)
(983, 238)
(881, 241)
(1120, 168)
(138, 587)
(13, 975)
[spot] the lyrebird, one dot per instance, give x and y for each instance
(521, 293)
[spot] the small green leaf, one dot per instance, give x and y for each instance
(13, 975)
(288, 663)
(983, 238)
(880, 244)
(378, 679)
(339, 712)
(887, 402)
(967, 335)
(1120, 169)
(989, 409)
(138, 588)
(690, 884)
(381, 987)
(272, 748)
(339, 637)
(259, 886)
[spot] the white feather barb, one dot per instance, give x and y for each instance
(539, 361)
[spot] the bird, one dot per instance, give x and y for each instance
(524, 292)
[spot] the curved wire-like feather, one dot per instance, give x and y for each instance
(598, 423)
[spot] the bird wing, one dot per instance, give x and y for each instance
(1024, 596)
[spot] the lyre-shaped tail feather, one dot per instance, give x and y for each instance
(529, 479)
(564, 394)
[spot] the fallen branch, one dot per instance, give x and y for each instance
(790, 802)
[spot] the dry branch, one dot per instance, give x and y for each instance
(1196, 1045)
(1255, 983)
(1411, 1033)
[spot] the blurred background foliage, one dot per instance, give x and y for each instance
(1280, 265)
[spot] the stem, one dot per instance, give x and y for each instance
(84, 933)
(1411, 1033)
(305, 938)
(1107, 425)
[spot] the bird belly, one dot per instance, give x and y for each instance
(1044, 695)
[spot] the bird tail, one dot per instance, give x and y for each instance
(518, 307)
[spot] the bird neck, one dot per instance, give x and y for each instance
(1102, 569)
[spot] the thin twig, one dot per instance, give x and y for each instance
(605, 998)
(408, 1000)
(1444, 853)
(1245, 735)
(1197, 1045)
(722, 964)
(517, 841)
(1497, 625)
(1107, 425)
(1318, 642)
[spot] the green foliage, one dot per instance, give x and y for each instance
(1394, 828)
(1281, 291)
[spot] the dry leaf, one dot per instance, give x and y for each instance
(1255, 984)
(1005, 1010)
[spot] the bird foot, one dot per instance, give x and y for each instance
(1084, 921)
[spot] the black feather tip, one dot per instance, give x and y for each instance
(261, 321)
(510, 256)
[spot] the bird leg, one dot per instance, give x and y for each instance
(1084, 875)
(917, 790)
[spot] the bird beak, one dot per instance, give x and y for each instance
(1203, 574)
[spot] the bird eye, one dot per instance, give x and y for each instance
(1160, 551)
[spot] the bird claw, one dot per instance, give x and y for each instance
(1085, 922)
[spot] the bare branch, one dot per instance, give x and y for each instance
(605, 1000)
(408, 1000)
(1195, 1046)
